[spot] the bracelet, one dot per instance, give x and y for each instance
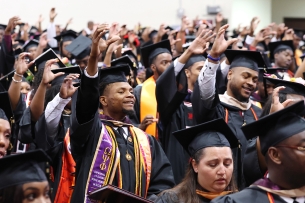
(16, 80)
(213, 59)
(18, 74)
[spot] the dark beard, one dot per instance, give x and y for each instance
(129, 112)
(236, 93)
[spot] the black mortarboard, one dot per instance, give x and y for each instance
(189, 38)
(270, 71)
(291, 87)
(30, 44)
(43, 58)
(33, 30)
(68, 35)
(20, 41)
(6, 108)
(276, 47)
(153, 33)
(36, 36)
(169, 28)
(69, 70)
(247, 59)
(80, 47)
(6, 80)
(3, 27)
(17, 52)
(23, 168)
(299, 33)
(124, 60)
(194, 59)
(215, 133)
(114, 74)
(276, 127)
(131, 54)
(149, 52)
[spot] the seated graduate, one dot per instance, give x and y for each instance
(210, 171)
(107, 149)
(23, 179)
(254, 165)
(282, 136)
(173, 93)
(281, 53)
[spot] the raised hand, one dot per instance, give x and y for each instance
(98, 43)
(48, 75)
(172, 39)
(43, 40)
(288, 34)
(20, 65)
(220, 43)
(40, 19)
(149, 119)
(52, 15)
(11, 25)
(183, 24)
(254, 23)
(162, 31)
(198, 46)
(276, 105)
(67, 89)
(69, 21)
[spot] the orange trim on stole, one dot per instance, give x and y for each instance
(67, 179)
(148, 104)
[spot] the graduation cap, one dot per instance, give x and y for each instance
(215, 133)
(194, 59)
(17, 52)
(299, 33)
(151, 51)
(6, 108)
(153, 33)
(33, 30)
(30, 44)
(290, 87)
(3, 27)
(130, 54)
(124, 60)
(68, 35)
(110, 194)
(23, 168)
(276, 127)
(276, 47)
(20, 41)
(69, 70)
(80, 47)
(114, 74)
(43, 58)
(269, 71)
(6, 80)
(247, 59)
(189, 38)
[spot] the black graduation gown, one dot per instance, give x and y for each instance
(252, 194)
(137, 93)
(235, 122)
(84, 135)
(171, 197)
(174, 115)
(7, 59)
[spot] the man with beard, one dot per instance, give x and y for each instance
(156, 57)
(281, 53)
(234, 105)
(107, 149)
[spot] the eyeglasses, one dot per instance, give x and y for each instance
(293, 147)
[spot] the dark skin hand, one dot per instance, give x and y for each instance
(11, 25)
(149, 119)
(67, 89)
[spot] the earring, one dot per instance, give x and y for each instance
(10, 147)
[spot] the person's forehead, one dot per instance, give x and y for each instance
(4, 124)
(296, 139)
(241, 70)
(164, 56)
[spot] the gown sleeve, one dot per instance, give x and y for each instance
(171, 90)
(137, 93)
(26, 127)
(167, 197)
(161, 173)
(7, 58)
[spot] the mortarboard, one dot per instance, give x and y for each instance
(247, 59)
(149, 52)
(194, 59)
(299, 33)
(276, 127)
(291, 87)
(215, 133)
(30, 44)
(33, 30)
(80, 47)
(110, 194)
(17, 52)
(153, 33)
(43, 58)
(5, 106)
(269, 71)
(130, 54)
(113, 74)
(124, 60)
(20, 41)
(169, 28)
(275, 47)
(23, 168)
(3, 27)
(69, 70)
(68, 35)
(6, 80)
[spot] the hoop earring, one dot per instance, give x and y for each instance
(10, 147)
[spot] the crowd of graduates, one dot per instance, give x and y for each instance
(186, 113)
